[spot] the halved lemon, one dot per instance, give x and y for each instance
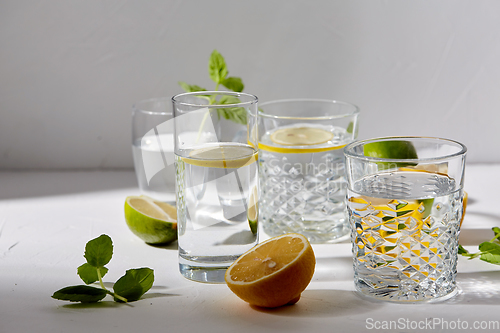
(274, 272)
(222, 156)
(155, 222)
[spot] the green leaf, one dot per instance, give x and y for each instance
(99, 251)
(88, 273)
(84, 294)
(190, 87)
(462, 250)
(490, 252)
(217, 67)
(236, 114)
(134, 283)
(233, 83)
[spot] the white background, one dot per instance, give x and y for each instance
(71, 70)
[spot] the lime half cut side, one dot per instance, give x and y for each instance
(223, 155)
(401, 150)
(154, 222)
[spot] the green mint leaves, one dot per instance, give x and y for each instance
(98, 252)
(218, 72)
(488, 251)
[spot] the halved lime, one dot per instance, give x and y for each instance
(301, 136)
(155, 222)
(396, 149)
(222, 156)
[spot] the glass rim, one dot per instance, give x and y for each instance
(253, 99)
(166, 99)
(320, 100)
(348, 149)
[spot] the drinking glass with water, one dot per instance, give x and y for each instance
(153, 148)
(302, 167)
(217, 182)
(405, 202)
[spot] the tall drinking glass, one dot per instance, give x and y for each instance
(405, 211)
(302, 167)
(153, 148)
(217, 181)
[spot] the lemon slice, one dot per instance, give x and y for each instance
(222, 156)
(466, 198)
(274, 272)
(253, 210)
(155, 222)
(301, 136)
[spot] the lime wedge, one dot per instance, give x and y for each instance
(393, 150)
(222, 156)
(253, 210)
(301, 136)
(154, 222)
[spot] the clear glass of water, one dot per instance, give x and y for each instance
(153, 148)
(405, 216)
(217, 181)
(302, 167)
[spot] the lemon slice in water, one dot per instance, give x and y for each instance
(222, 156)
(301, 136)
(253, 210)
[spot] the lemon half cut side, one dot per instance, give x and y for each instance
(274, 272)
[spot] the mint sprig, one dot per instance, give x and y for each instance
(98, 252)
(218, 72)
(488, 251)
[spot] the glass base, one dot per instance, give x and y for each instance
(336, 234)
(203, 274)
(395, 296)
(206, 270)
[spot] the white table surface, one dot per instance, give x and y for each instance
(46, 218)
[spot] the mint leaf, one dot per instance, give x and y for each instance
(236, 114)
(99, 251)
(88, 273)
(190, 87)
(84, 294)
(134, 283)
(217, 67)
(233, 83)
(462, 250)
(490, 252)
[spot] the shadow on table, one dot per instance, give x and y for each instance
(25, 184)
(333, 269)
(478, 288)
(477, 236)
(324, 303)
(171, 246)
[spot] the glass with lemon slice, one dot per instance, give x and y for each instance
(302, 167)
(216, 182)
(405, 201)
